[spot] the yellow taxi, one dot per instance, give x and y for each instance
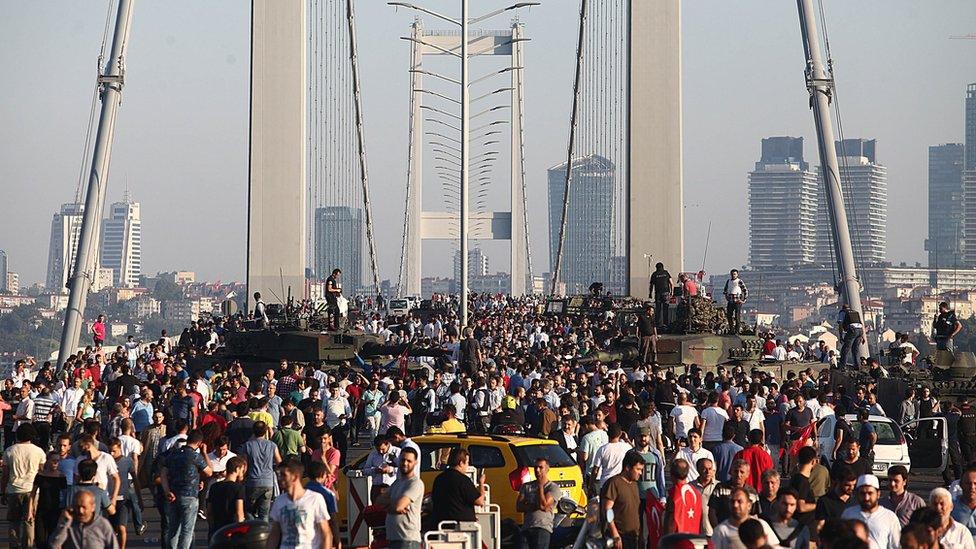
(507, 462)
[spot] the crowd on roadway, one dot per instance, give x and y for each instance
(718, 451)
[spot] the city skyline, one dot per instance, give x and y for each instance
(186, 158)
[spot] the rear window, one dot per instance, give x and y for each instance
(525, 456)
(398, 304)
(888, 433)
(485, 456)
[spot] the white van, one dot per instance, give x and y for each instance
(399, 306)
(921, 445)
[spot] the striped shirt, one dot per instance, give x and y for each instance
(43, 405)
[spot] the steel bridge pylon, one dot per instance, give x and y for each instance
(438, 225)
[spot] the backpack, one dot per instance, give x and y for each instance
(486, 404)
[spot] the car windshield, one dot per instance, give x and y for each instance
(398, 304)
(554, 453)
(888, 433)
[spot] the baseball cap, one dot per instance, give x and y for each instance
(645, 430)
(868, 480)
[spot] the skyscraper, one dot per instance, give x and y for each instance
(65, 230)
(589, 224)
(946, 233)
(865, 184)
(782, 205)
(971, 127)
(477, 263)
(3, 272)
(339, 244)
(122, 243)
(969, 218)
(968, 204)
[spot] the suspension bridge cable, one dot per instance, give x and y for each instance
(361, 142)
(410, 168)
(569, 151)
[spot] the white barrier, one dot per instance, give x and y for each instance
(358, 533)
(490, 521)
(454, 535)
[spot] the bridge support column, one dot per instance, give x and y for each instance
(654, 202)
(277, 150)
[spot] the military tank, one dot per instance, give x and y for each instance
(696, 333)
(947, 375)
(301, 333)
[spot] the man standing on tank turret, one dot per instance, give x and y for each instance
(735, 292)
(945, 327)
(661, 286)
(333, 289)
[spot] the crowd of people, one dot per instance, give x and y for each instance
(723, 452)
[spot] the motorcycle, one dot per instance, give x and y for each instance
(589, 529)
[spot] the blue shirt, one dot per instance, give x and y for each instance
(864, 437)
(724, 454)
(102, 500)
(182, 407)
(330, 499)
(962, 514)
(142, 413)
(274, 408)
(774, 429)
(183, 467)
(260, 463)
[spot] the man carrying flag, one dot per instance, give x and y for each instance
(683, 511)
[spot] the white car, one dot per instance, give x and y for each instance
(400, 306)
(921, 445)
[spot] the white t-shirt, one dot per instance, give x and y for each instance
(610, 459)
(106, 467)
(692, 459)
(755, 418)
(727, 536)
(715, 419)
(684, 419)
(130, 446)
(219, 464)
(299, 520)
(884, 528)
(957, 537)
(910, 351)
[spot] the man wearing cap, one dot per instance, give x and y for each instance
(884, 528)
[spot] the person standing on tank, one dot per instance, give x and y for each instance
(661, 287)
(333, 290)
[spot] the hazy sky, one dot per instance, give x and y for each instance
(181, 141)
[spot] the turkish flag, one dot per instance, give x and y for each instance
(804, 439)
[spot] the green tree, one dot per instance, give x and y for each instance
(167, 290)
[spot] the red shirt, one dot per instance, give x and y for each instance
(758, 460)
(96, 374)
(98, 328)
(691, 288)
(610, 411)
(686, 504)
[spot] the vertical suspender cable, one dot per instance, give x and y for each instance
(569, 151)
(410, 169)
(361, 142)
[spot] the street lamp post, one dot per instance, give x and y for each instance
(465, 124)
